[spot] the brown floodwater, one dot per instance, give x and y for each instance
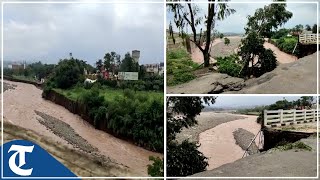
(218, 144)
(19, 107)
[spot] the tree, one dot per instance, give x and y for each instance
(99, 64)
(188, 15)
(226, 41)
(256, 59)
(268, 18)
(308, 27)
(314, 28)
(184, 159)
(221, 35)
(298, 28)
(128, 64)
(111, 60)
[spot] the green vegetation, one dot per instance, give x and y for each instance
(296, 145)
(156, 169)
(287, 44)
(33, 72)
(226, 41)
(108, 93)
(136, 114)
(190, 16)
(184, 159)
(229, 65)
(180, 67)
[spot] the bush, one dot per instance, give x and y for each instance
(156, 169)
(184, 159)
(180, 67)
(287, 44)
(229, 65)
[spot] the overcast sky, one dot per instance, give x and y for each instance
(245, 101)
(48, 32)
(302, 14)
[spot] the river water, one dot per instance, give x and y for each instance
(218, 144)
(19, 107)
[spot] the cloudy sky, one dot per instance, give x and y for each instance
(249, 101)
(302, 14)
(48, 32)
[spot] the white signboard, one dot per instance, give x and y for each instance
(128, 76)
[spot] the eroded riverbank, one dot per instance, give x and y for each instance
(21, 103)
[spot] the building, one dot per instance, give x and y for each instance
(154, 69)
(136, 55)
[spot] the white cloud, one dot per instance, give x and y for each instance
(50, 31)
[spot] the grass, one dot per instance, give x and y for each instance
(108, 93)
(26, 78)
(180, 67)
(296, 145)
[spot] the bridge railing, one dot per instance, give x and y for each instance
(281, 117)
(308, 38)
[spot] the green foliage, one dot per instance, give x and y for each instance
(189, 15)
(251, 49)
(156, 169)
(69, 72)
(287, 44)
(128, 64)
(280, 33)
(268, 18)
(314, 28)
(296, 145)
(229, 65)
(184, 159)
(180, 67)
(226, 41)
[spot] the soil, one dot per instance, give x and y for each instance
(19, 108)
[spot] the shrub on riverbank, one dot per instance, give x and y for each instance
(180, 67)
(287, 44)
(229, 65)
(137, 116)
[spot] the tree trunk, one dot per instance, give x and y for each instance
(206, 57)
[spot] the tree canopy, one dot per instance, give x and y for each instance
(184, 159)
(189, 15)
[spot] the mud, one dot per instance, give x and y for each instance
(218, 143)
(20, 106)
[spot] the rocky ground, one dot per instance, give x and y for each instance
(80, 163)
(291, 163)
(7, 86)
(243, 139)
(299, 77)
(206, 120)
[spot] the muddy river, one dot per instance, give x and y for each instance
(19, 107)
(218, 144)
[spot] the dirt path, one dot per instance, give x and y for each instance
(219, 145)
(282, 57)
(19, 107)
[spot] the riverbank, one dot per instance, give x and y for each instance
(20, 107)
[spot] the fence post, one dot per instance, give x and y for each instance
(294, 116)
(305, 114)
(265, 118)
(281, 115)
(314, 115)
